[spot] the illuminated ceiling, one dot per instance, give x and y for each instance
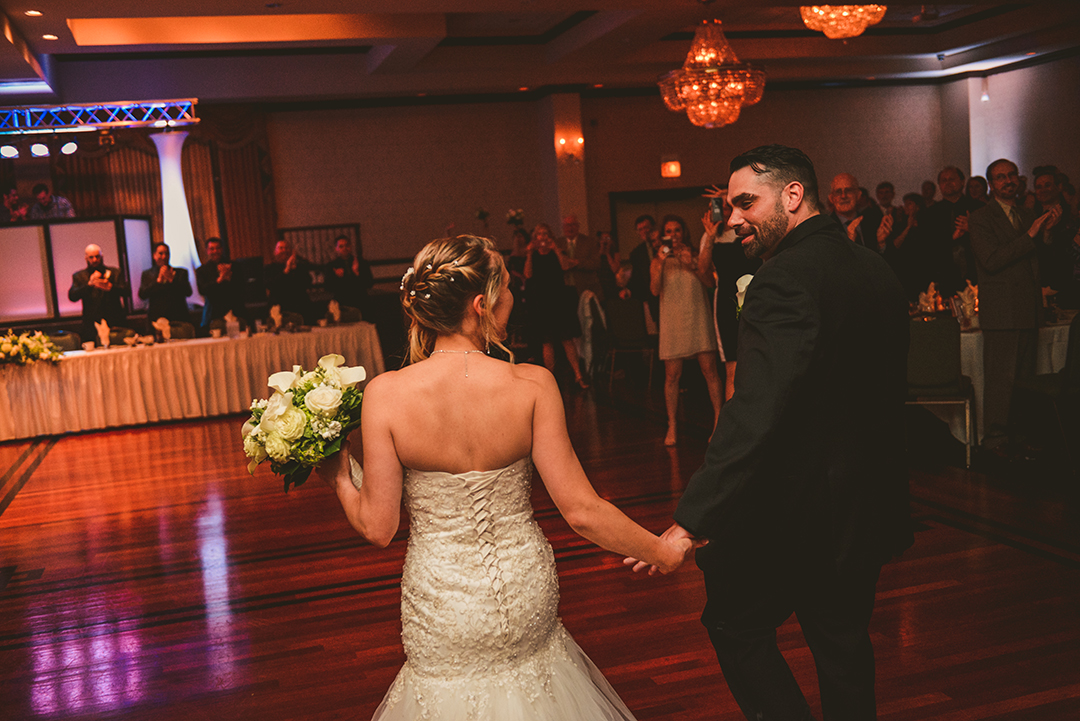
(341, 51)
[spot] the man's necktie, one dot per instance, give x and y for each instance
(1014, 218)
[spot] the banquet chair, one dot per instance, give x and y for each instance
(350, 314)
(933, 371)
(181, 330)
(65, 340)
(295, 319)
(626, 333)
(117, 335)
(1061, 389)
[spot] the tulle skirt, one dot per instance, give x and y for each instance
(557, 683)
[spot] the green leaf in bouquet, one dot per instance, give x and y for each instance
(297, 478)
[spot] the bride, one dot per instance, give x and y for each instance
(458, 434)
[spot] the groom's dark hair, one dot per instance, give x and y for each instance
(785, 165)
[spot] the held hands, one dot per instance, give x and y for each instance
(165, 274)
(224, 272)
(290, 264)
(678, 545)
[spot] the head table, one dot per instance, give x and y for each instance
(124, 386)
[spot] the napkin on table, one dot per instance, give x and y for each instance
(102, 328)
(162, 325)
(275, 316)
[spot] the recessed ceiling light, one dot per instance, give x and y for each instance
(50, 36)
(33, 13)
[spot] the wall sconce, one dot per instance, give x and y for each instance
(670, 168)
(985, 90)
(570, 149)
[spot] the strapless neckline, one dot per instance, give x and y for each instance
(475, 474)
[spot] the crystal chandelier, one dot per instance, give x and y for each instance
(712, 86)
(841, 21)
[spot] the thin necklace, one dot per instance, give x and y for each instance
(464, 352)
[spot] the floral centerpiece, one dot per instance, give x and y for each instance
(26, 348)
(305, 419)
(515, 218)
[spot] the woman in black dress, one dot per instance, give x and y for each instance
(552, 304)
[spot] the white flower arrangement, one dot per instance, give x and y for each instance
(26, 348)
(305, 419)
(740, 292)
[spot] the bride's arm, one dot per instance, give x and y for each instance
(374, 510)
(587, 513)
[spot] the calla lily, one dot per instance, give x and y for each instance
(285, 381)
(334, 368)
(740, 289)
(248, 429)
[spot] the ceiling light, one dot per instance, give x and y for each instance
(33, 13)
(841, 21)
(712, 86)
(39, 150)
(49, 36)
(69, 147)
(9, 151)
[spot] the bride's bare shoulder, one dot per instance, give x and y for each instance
(538, 375)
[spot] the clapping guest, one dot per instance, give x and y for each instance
(49, 205)
(14, 208)
(288, 278)
(214, 278)
(348, 276)
(1055, 257)
(977, 189)
(609, 265)
(683, 280)
(101, 290)
(929, 192)
(730, 263)
(943, 248)
(552, 304)
(640, 260)
(165, 288)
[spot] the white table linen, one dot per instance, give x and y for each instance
(167, 381)
(1052, 343)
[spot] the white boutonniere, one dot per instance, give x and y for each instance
(740, 292)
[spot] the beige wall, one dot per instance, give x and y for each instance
(403, 173)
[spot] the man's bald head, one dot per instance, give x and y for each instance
(93, 256)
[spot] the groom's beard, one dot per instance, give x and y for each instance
(765, 236)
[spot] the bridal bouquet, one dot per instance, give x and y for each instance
(305, 420)
(25, 348)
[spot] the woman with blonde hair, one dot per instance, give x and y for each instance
(457, 433)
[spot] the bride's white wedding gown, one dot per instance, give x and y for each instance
(479, 610)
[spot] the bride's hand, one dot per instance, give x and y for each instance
(336, 467)
(676, 546)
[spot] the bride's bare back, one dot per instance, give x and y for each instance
(443, 420)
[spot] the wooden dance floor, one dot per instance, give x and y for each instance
(144, 574)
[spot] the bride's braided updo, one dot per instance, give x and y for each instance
(439, 286)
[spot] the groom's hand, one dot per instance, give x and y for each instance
(676, 535)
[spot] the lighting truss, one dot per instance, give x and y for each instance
(33, 119)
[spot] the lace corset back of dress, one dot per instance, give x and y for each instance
(445, 502)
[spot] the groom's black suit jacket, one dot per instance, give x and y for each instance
(808, 456)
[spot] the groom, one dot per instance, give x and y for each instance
(803, 494)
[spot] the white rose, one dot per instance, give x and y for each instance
(44, 355)
(308, 377)
(277, 447)
(275, 407)
(323, 400)
(254, 449)
(6, 347)
(291, 424)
